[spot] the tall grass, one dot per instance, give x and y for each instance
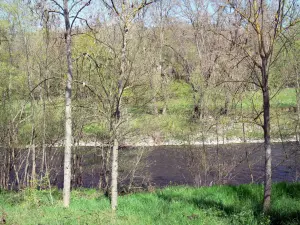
(171, 205)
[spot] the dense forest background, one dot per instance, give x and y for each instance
(142, 73)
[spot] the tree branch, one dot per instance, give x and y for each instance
(56, 3)
(77, 13)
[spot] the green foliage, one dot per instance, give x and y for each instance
(169, 126)
(180, 99)
(177, 124)
(285, 204)
(179, 106)
(96, 129)
(171, 205)
(280, 98)
(180, 89)
(25, 133)
(285, 98)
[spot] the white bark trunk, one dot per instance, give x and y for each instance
(68, 112)
(114, 174)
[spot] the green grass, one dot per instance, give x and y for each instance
(179, 124)
(172, 205)
(279, 99)
(285, 98)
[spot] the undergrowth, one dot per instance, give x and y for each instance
(172, 205)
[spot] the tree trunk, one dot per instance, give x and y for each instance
(32, 146)
(298, 121)
(16, 171)
(298, 106)
(104, 169)
(8, 167)
(33, 170)
(153, 92)
(267, 142)
(116, 119)
(161, 61)
(198, 99)
(243, 123)
(114, 176)
(218, 153)
(30, 87)
(68, 115)
(26, 169)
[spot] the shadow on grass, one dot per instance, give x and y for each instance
(291, 190)
(218, 200)
(286, 204)
(245, 201)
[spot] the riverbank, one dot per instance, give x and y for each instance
(171, 205)
(150, 142)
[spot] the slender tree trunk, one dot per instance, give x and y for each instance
(68, 110)
(8, 167)
(249, 166)
(162, 75)
(298, 122)
(116, 119)
(199, 91)
(107, 170)
(102, 173)
(243, 123)
(198, 96)
(30, 87)
(114, 176)
(153, 92)
(16, 171)
(32, 146)
(298, 106)
(267, 141)
(42, 171)
(45, 94)
(33, 170)
(204, 163)
(218, 153)
(25, 178)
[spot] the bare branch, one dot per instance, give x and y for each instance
(111, 7)
(50, 78)
(54, 11)
(77, 13)
(236, 81)
(74, 4)
(59, 5)
(80, 18)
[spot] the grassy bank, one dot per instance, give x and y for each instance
(172, 205)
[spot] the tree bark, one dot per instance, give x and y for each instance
(68, 110)
(114, 176)
(33, 169)
(116, 119)
(161, 61)
(153, 92)
(298, 105)
(267, 142)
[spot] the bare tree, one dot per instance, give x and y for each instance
(126, 12)
(66, 11)
(260, 26)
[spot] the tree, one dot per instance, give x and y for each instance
(65, 10)
(126, 12)
(260, 25)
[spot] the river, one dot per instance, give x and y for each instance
(194, 165)
(160, 166)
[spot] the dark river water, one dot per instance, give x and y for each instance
(194, 165)
(177, 165)
(231, 164)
